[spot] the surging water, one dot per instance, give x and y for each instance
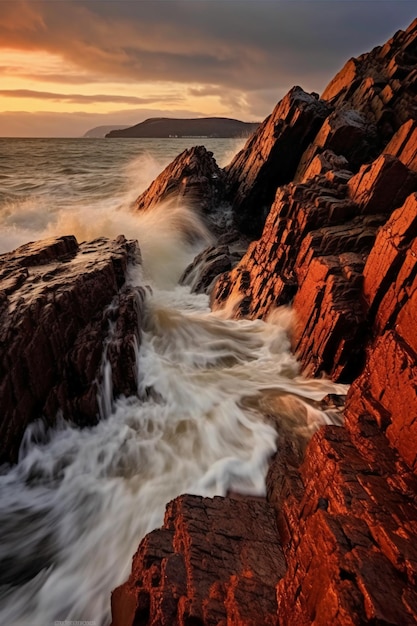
(75, 507)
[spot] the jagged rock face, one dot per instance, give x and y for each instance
(313, 249)
(381, 84)
(347, 513)
(55, 298)
(386, 388)
(346, 133)
(193, 178)
(403, 144)
(347, 520)
(343, 248)
(271, 156)
(215, 561)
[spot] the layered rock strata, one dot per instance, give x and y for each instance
(58, 300)
(314, 245)
(271, 156)
(381, 84)
(352, 555)
(214, 562)
(193, 178)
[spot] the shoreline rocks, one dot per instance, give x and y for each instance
(337, 238)
(327, 191)
(57, 298)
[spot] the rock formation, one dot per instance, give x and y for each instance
(193, 178)
(165, 127)
(339, 243)
(215, 561)
(57, 299)
(271, 156)
(329, 187)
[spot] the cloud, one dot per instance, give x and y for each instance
(239, 44)
(235, 57)
(86, 99)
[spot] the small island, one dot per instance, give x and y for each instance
(201, 127)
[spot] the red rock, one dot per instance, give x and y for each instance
(403, 145)
(384, 288)
(193, 178)
(381, 84)
(326, 161)
(382, 186)
(347, 134)
(270, 157)
(215, 561)
(345, 528)
(338, 247)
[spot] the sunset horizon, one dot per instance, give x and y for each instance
(70, 66)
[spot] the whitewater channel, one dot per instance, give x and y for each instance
(210, 390)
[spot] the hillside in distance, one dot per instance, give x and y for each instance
(99, 132)
(160, 127)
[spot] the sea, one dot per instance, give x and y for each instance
(76, 505)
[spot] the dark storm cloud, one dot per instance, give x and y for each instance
(249, 45)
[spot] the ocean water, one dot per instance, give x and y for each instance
(74, 508)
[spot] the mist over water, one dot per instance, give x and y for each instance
(210, 389)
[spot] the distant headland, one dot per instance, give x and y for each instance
(101, 131)
(164, 127)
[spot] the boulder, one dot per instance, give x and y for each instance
(206, 267)
(193, 178)
(215, 561)
(59, 300)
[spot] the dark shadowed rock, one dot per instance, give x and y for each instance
(57, 301)
(198, 127)
(206, 267)
(193, 178)
(347, 134)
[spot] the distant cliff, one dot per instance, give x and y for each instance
(160, 127)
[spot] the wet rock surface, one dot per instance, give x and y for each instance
(57, 300)
(193, 178)
(271, 156)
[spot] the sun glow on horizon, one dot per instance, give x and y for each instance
(39, 82)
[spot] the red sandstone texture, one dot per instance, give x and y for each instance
(55, 298)
(214, 562)
(340, 243)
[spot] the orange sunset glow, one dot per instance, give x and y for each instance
(69, 65)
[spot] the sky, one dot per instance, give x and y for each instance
(67, 66)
